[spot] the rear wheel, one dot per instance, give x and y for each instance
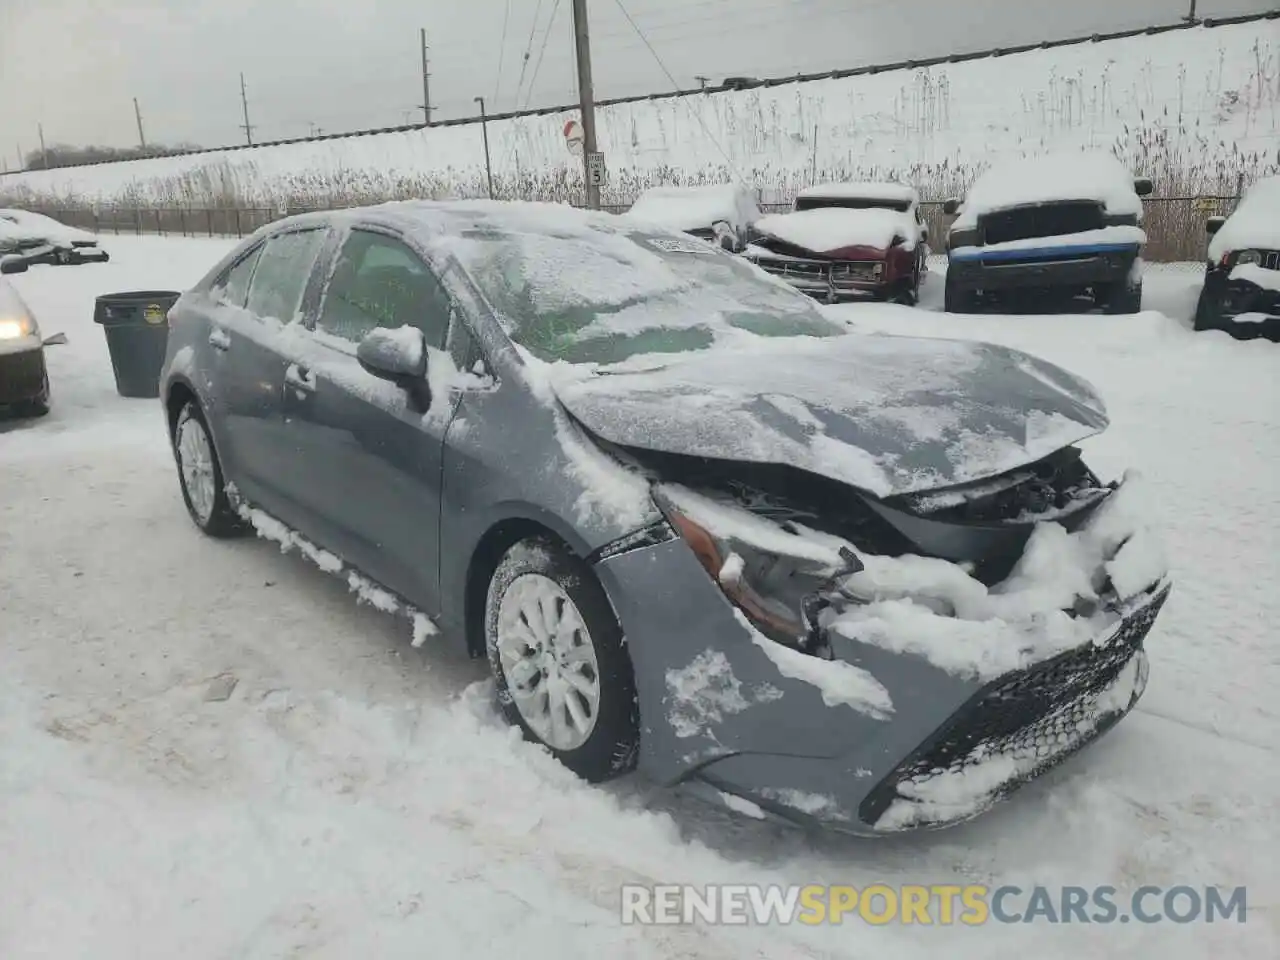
(556, 651)
(200, 475)
(1122, 297)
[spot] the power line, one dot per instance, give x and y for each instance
(675, 86)
(502, 51)
(528, 51)
(555, 8)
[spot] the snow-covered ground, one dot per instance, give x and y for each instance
(351, 795)
(1202, 102)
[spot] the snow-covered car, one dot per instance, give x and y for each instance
(24, 377)
(846, 240)
(41, 239)
(694, 523)
(720, 213)
(1242, 279)
(1061, 224)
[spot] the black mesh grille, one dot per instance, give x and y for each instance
(1038, 716)
(1046, 220)
(21, 376)
(1270, 259)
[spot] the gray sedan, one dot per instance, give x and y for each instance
(694, 524)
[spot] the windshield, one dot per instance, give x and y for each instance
(596, 296)
(851, 203)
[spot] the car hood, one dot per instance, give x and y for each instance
(886, 414)
(831, 229)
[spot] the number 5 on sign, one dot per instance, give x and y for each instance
(595, 169)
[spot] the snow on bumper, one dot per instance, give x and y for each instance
(942, 695)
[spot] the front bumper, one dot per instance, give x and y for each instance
(1026, 269)
(722, 710)
(1259, 307)
(22, 372)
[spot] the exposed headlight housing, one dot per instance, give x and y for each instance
(780, 582)
(1248, 256)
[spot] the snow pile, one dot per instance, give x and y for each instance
(25, 225)
(1258, 276)
(1090, 175)
(830, 229)
(1254, 225)
(1106, 236)
(694, 208)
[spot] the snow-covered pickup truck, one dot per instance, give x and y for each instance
(1242, 280)
(846, 240)
(720, 213)
(1062, 224)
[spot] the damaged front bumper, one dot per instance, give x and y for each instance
(886, 732)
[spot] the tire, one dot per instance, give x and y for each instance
(210, 510)
(38, 406)
(956, 299)
(1123, 297)
(1208, 311)
(535, 576)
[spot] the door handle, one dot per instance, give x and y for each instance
(219, 340)
(300, 378)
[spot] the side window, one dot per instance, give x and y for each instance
(379, 282)
(283, 270)
(233, 286)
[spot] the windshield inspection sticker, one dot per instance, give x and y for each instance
(681, 246)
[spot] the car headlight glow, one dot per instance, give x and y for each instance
(779, 585)
(13, 329)
(1248, 256)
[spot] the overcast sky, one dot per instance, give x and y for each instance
(75, 66)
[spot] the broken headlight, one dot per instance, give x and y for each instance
(779, 579)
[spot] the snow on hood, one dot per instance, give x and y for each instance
(1255, 224)
(885, 414)
(831, 228)
(24, 225)
(693, 208)
(1059, 176)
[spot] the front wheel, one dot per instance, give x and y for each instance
(957, 299)
(200, 475)
(1123, 297)
(1208, 311)
(556, 651)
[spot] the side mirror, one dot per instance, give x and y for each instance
(951, 207)
(1143, 186)
(396, 355)
(13, 265)
(55, 340)
(1213, 225)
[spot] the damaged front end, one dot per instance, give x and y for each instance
(1003, 621)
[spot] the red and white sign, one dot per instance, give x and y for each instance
(573, 137)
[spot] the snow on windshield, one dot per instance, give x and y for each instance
(1060, 176)
(588, 291)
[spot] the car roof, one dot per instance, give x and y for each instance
(870, 190)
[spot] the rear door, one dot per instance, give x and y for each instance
(370, 459)
(256, 348)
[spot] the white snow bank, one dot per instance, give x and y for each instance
(832, 228)
(1087, 238)
(1088, 175)
(692, 208)
(1255, 224)
(860, 191)
(1259, 276)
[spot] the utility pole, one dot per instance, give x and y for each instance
(44, 154)
(315, 131)
(247, 127)
(142, 137)
(426, 79)
(1192, 15)
(593, 162)
(484, 127)
(702, 82)
(22, 160)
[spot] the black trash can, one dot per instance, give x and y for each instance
(137, 333)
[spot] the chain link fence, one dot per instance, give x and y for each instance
(1174, 225)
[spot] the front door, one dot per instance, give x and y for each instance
(252, 343)
(370, 456)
